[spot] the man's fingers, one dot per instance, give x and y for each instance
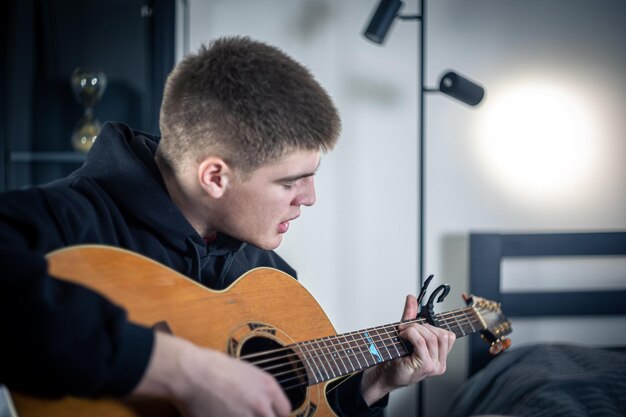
(420, 347)
(451, 340)
(430, 344)
(445, 341)
(410, 308)
(282, 408)
(280, 403)
(429, 333)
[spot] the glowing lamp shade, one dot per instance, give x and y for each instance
(382, 19)
(460, 88)
(540, 142)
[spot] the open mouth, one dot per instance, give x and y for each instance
(283, 227)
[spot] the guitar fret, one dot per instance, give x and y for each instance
(464, 322)
(469, 320)
(320, 359)
(348, 354)
(337, 356)
(306, 356)
(392, 338)
(327, 353)
(456, 318)
(375, 356)
(381, 343)
(351, 352)
(474, 322)
(448, 325)
(356, 349)
(312, 357)
(443, 323)
(395, 337)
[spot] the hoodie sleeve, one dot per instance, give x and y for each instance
(346, 399)
(59, 338)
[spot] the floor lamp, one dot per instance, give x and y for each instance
(450, 84)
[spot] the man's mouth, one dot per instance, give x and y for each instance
(283, 227)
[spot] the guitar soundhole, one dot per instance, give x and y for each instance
(283, 363)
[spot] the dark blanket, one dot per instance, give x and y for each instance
(547, 380)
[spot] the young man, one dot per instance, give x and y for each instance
(243, 129)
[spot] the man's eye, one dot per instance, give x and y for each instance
(289, 186)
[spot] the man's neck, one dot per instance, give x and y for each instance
(187, 198)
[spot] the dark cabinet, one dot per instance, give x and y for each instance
(45, 40)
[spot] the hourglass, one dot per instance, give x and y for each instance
(88, 85)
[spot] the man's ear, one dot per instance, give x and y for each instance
(214, 175)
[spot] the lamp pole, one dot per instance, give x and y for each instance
(421, 144)
(451, 84)
(420, 120)
(422, 159)
(421, 34)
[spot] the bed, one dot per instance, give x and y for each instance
(541, 378)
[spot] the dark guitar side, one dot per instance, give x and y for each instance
(263, 300)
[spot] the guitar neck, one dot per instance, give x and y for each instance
(334, 356)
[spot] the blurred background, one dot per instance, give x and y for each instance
(545, 151)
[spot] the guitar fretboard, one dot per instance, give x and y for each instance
(334, 356)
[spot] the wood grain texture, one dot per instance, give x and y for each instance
(151, 293)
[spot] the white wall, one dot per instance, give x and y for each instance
(555, 76)
(546, 151)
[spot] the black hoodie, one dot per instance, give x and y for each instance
(61, 338)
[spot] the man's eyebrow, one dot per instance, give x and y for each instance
(299, 176)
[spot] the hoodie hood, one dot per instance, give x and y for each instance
(122, 163)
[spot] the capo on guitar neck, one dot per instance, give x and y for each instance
(427, 311)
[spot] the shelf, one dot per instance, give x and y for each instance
(50, 156)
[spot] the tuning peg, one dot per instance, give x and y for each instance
(467, 298)
(499, 346)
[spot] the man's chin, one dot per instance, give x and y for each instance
(263, 242)
(269, 244)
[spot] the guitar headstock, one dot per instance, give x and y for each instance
(495, 323)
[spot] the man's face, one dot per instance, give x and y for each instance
(258, 210)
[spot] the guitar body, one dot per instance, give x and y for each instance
(264, 304)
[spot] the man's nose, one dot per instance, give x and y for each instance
(307, 195)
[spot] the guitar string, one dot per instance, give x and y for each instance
(299, 375)
(334, 339)
(325, 350)
(455, 323)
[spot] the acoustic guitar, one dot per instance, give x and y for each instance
(266, 317)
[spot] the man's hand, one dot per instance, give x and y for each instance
(431, 346)
(204, 382)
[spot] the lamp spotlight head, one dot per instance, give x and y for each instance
(382, 19)
(461, 88)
